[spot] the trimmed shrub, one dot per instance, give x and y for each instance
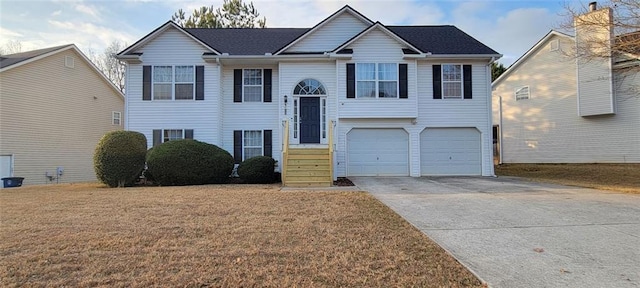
(257, 170)
(119, 157)
(189, 162)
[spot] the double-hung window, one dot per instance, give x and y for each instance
(452, 81)
(164, 135)
(252, 85)
(116, 118)
(377, 80)
(173, 82)
(252, 143)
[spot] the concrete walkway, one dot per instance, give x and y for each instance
(513, 233)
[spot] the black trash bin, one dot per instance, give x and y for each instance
(8, 182)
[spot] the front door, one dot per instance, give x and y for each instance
(309, 119)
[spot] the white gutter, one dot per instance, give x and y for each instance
(218, 58)
(492, 56)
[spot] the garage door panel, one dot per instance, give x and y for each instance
(378, 152)
(450, 151)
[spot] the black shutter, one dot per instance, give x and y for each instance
(351, 80)
(157, 137)
(266, 87)
(437, 82)
(188, 134)
(268, 147)
(237, 85)
(237, 146)
(199, 82)
(146, 83)
(404, 85)
(466, 76)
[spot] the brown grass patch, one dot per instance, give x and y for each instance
(212, 236)
(613, 177)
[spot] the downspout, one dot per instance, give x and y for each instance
(490, 114)
(126, 99)
(500, 132)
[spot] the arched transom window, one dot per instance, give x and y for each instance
(309, 87)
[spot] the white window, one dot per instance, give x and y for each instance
(173, 82)
(69, 62)
(323, 125)
(252, 144)
(451, 81)
(522, 93)
(116, 118)
(172, 134)
(376, 80)
(295, 118)
(554, 45)
(252, 85)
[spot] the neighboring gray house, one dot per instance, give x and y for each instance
(55, 105)
(348, 97)
(551, 107)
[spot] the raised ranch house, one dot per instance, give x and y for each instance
(553, 107)
(347, 97)
(55, 105)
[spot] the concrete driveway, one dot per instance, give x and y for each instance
(513, 233)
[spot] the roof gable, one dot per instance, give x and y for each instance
(35, 55)
(347, 19)
(376, 26)
(155, 33)
(541, 43)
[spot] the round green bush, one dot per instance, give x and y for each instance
(119, 157)
(189, 162)
(258, 169)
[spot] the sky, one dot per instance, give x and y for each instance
(509, 27)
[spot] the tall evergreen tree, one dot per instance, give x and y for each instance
(232, 14)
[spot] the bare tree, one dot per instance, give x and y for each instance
(11, 47)
(113, 68)
(620, 25)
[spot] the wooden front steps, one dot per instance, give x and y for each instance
(308, 167)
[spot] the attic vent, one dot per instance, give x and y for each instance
(522, 93)
(554, 45)
(68, 61)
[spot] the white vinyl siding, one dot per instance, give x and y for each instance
(251, 116)
(53, 116)
(547, 129)
(174, 48)
(330, 35)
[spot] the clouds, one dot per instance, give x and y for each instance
(509, 27)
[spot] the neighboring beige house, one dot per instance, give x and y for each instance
(552, 107)
(55, 105)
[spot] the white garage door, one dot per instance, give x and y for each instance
(378, 152)
(450, 151)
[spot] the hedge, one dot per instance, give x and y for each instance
(119, 157)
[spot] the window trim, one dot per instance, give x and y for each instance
(528, 94)
(167, 130)
(244, 146)
(173, 83)
(377, 80)
(443, 81)
(244, 86)
(114, 118)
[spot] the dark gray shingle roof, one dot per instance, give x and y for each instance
(247, 41)
(11, 59)
(446, 39)
(254, 41)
